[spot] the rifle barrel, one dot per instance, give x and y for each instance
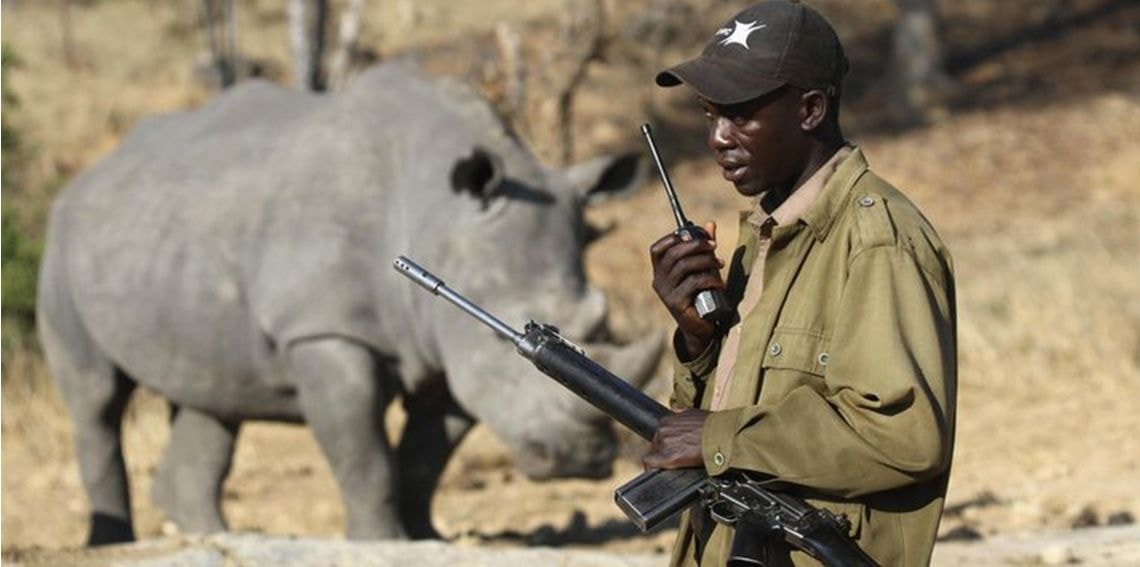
(430, 282)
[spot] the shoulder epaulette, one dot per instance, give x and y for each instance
(873, 219)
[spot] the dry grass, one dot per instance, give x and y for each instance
(1040, 205)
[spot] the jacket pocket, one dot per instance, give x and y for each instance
(798, 349)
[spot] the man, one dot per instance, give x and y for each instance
(837, 378)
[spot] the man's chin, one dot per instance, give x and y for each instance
(749, 188)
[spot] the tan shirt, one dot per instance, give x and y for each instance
(844, 384)
(762, 223)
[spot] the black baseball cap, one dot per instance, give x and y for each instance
(764, 47)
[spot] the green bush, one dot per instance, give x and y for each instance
(13, 150)
(21, 260)
(20, 250)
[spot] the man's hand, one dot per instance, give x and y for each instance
(681, 270)
(678, 441)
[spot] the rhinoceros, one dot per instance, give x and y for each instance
(236, 260)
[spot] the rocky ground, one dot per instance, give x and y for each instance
(1102, 547)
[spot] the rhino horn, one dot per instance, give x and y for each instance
(588, 319)
(634, 362)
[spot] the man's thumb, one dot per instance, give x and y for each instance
(710, 227)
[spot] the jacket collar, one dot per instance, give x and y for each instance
(823, 212)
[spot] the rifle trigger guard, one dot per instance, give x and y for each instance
(723, 513)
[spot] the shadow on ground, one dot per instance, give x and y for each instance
(577, 532)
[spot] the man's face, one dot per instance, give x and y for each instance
(759, 144)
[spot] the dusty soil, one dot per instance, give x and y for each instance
(1101, 547)
(1031, 175)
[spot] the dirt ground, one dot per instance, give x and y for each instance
(1032, 175)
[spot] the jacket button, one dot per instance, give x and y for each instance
(718, 459)
(823, 359)
(775, 349)
(867, 201)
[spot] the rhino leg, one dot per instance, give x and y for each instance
(97, 400)
(435, 426)
(96, 393)
(343, 391)
(188, 483)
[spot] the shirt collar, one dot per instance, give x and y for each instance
(800, 204)
(821, 215)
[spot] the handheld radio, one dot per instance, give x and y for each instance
(711, 304)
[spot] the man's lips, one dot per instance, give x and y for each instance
(733, 171)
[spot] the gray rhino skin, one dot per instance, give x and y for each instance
(237, 260)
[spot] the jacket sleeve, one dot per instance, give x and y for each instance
(884, 415)
(690, 377)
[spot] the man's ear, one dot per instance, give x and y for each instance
(608, 177)
(814, 106)
(480, 174)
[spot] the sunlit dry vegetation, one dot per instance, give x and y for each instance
(1030, 168)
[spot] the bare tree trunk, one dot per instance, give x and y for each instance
(232, 55)
(69, 56)
(654, 28)
(349, 31)
(299, 39)
(307, 36)
(591, 23)
(918, 72)
(514, 76)
(208, 10)
(221, 33)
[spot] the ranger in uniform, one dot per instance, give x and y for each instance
(836, 379)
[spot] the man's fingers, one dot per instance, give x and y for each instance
(710, 227)
(681, 250)
(663, 244)
(691, 285)
(659, 460)
(691, 266)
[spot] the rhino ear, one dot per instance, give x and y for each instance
(608, 177)
(480, 174)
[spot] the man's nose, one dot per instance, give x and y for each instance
(719, 138)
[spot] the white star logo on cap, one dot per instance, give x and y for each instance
(740, 32)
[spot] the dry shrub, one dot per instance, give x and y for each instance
(1040, 207)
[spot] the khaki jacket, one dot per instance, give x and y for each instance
(847, 371)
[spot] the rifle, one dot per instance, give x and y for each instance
(761, 517)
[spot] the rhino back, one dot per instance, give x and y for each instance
(250, 106)
(212, 238)
(149, 241)
(394, 138)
